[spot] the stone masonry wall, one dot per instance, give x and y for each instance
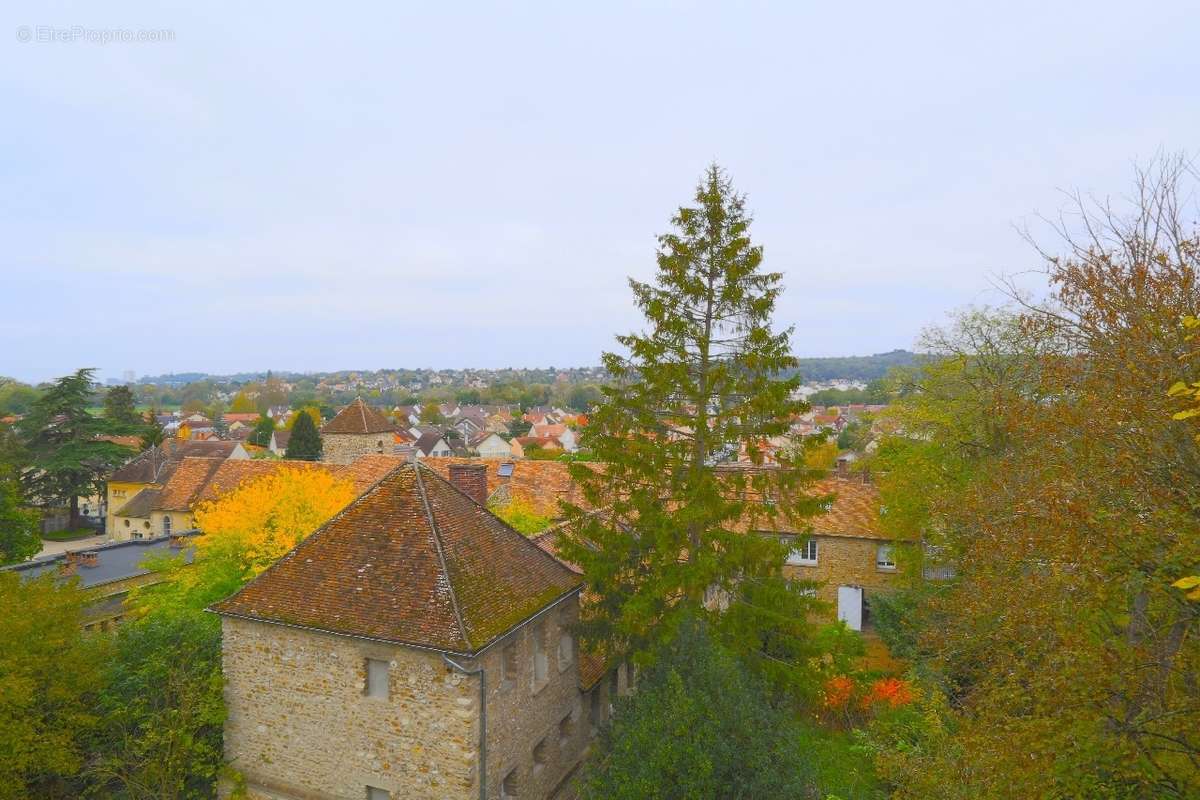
(342, 448)
(844, 561)
(300, 726)
(523, 713)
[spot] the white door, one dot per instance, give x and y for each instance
(850, 606)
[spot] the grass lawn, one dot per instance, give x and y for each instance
(69, 536)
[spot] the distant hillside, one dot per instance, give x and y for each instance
(854, 368)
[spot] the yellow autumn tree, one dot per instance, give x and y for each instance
(264, 518)
(312, 411)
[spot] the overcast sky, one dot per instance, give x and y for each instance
(415, 186)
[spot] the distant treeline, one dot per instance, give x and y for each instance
(854, 368)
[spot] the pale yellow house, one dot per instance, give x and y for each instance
(128, 508)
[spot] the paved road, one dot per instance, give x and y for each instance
(54, 548)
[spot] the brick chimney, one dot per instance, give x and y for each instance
(89, 558)
(471, 480)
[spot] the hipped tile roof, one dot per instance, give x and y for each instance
(413, 561)
(201, 479)
(358, 417)
(156, 464)
(538, 484)
(192, 474)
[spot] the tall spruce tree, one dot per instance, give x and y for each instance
(305, 443)
(68, 457)
(703, 382)
(120, 407)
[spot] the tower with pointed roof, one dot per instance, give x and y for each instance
(357, 430)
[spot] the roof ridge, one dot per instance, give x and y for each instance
(515, 532)
(362, 411)
(441, 554)
(288, 555)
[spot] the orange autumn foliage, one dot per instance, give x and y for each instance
(890, 692)
(264, 518)
(842, 691)
(838, 691)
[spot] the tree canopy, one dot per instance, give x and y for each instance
(121, 407)
(703, 380)
(68, 455)
(699, 726)
(305, 442)
(49, 680)
(20, 528)
(1040, 463)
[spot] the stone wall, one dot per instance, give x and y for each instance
(523, 713)
(844, 561)
(301, 726)
(342, 448)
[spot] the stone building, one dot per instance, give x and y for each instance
(414, 646)
(846, 550)
(357, 430)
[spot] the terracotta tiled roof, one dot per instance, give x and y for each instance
(539, 484)
(156, 464)
(366, 470)
(212, 478)
(412, 561)
(358, 417)
(548, 539)
(140, 505)
(147, 467)
(592, 667)
(232, 474)
(547, 431)
(180, 490)
(854, 511)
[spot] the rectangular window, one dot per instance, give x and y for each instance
(508, 786)
(377, 678)
(594, 710)
(566, 729)
(884, 558)
(508, 667)
(541, 662)
(539, 756)
(378, 794)
(805, 554)
(566, 650)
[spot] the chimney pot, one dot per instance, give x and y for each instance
(471, 480)
(89, 558)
